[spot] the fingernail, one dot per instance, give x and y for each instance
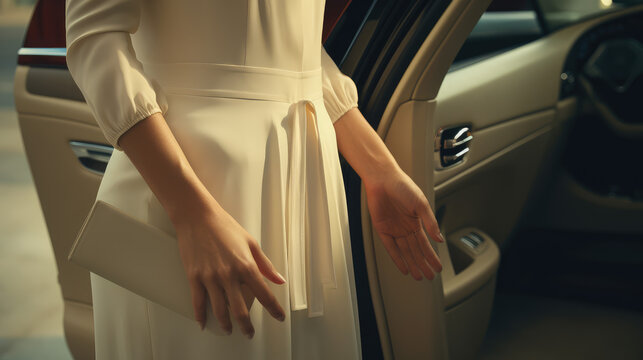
(281, 277)
(202, 325)
(250, 335)
(441, 237)
(282, 317)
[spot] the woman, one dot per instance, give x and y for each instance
(227, 118)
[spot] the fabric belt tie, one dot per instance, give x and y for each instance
(308, 226)
(310, 255)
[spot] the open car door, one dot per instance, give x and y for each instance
(398, 70)
(528, 144)
(543, 171)
(553, 174)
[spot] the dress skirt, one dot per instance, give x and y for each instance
(263, 144)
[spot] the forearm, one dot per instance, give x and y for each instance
(155, 152)
(363, 148)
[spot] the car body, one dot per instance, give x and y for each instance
(492, 121)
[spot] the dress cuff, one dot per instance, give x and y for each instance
(142, 112)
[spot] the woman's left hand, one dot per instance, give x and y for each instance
(398, 208)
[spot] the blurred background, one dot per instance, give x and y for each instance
(31, 306)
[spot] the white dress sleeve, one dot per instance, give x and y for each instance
(102, 62)
(340, 92)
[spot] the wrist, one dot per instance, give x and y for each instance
(379, 172)
(363, 148)
(191, 200)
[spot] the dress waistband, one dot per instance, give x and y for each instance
(238, 81)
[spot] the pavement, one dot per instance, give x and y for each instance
(31, 305)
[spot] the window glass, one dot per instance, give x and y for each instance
(559, 13)
(506, 24)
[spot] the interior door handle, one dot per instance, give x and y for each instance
(462, 137)
(452, 159)
(451, 145)
(93, 157)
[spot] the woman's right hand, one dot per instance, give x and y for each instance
(219, 255)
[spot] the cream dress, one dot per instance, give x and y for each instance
(251, 96)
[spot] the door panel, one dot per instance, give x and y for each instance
(506, 98)
(491, 140)
(66, 188)
(403, 306)
(512, 177)
(409, 307)
(511, 103)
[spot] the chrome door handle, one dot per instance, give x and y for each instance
(452, 159)
(461, 137)
(93, 157)
(451, 145)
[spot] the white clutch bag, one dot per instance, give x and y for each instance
(140, 258)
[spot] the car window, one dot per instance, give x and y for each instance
(560, 13)
(506, 24)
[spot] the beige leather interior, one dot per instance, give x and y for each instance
(510, 101)
(469, 311)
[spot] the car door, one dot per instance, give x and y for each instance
(399, 69)
(490, 151)
(398, 52)
(66, 154)
(544, 174)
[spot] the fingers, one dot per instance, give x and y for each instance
(265, 265)
(219, 306)
(254, 280)
(418, 256)
(238, 308)
(428, 252)
(403, 245)
(430, 223)
(198, 300)
(413, 252)
(394, 252)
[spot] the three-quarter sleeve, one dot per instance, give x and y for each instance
(103, 63)
(340, 92)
